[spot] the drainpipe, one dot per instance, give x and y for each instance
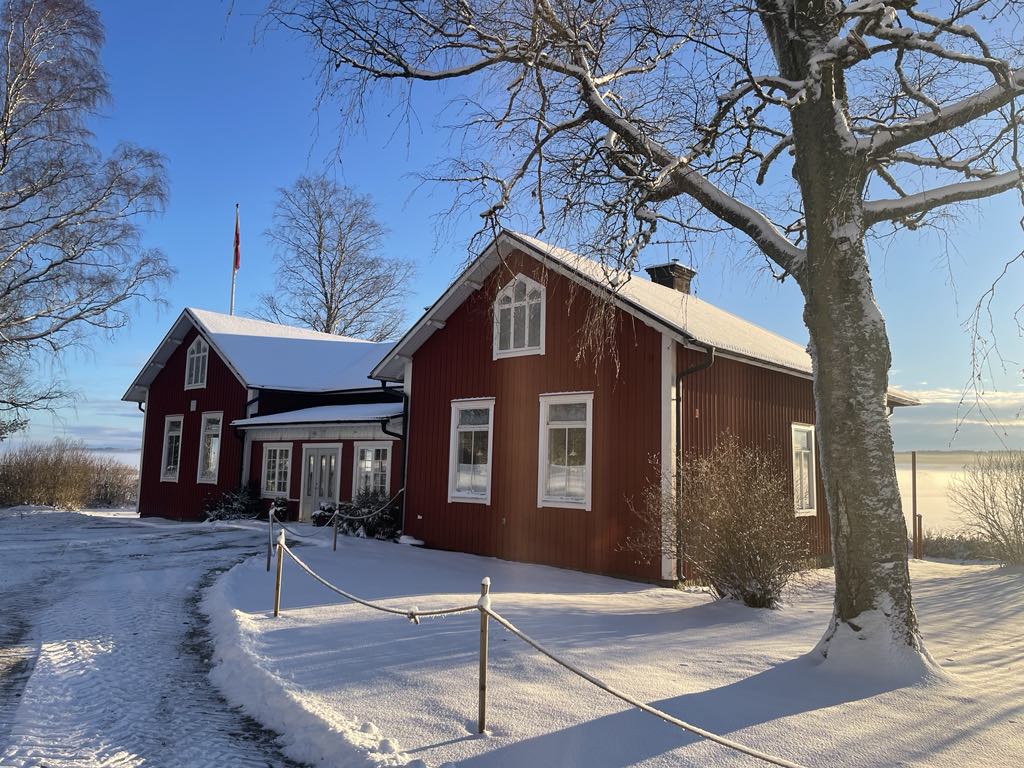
(405, 447)
(240, 435)
(707, 362)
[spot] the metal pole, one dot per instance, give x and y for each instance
(913, 500)
(481, 716)
(277, 581)
(270, 534)
(234, 272)
(335, 545)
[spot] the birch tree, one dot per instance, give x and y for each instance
(71, 263)
(798, 126)
(331, 275)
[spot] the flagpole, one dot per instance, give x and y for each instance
(234, 264)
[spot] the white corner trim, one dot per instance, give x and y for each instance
(669, 438)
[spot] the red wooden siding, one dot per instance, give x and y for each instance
(183, 500)
(758, 406)
(346, 470)
(456, 362)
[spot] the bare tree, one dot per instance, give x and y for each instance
(798, 125)
(989, 494)
(70, 256)
(330, 275)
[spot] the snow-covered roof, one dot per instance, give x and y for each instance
(692, 319)
(269, 355)
(326, 414)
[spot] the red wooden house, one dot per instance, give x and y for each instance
(230, 401)
(519, 450)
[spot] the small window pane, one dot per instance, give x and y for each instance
(567, 412)
(534, 325)
(465, 448)
(534, 295)
(504, 329)
(576, 447)
(474, 417)
(480, 446)
(519, 326)
(519, 292)
(505, 300)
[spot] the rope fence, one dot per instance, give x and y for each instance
(483, 605)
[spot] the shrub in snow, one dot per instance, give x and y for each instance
(372, 515)
(956, 545)
(732, 522)
(65, 475)
(236, 504)
(989, 495)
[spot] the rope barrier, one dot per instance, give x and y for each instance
(413, 614)
(376, 512)
(772, 759)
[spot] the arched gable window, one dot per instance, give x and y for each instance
(519, 319)
(195, 365)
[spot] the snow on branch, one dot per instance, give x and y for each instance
(922, 202)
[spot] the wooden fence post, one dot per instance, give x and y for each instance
(335, 545)
(277, 581)
(913, 504)
(481, 716)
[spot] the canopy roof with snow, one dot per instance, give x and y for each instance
(360, 413)
(269, 355)
(692, 321)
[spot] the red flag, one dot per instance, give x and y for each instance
(238, 241)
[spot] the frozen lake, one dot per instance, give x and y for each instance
(934, 472)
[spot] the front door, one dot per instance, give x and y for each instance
(319, 478)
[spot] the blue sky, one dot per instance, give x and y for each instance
(234, 114)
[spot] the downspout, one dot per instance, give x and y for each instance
(405, 448)
(240, 434)
(707, 362)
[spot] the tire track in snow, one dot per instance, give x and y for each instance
(120, 678)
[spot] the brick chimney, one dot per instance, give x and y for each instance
(672, 275)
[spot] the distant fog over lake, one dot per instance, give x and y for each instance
(935, 470)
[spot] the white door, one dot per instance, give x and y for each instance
(319, 478)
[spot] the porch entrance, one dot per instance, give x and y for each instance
(320, 478)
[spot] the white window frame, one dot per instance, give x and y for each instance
(197, 350)
(547, 400)
(453, 446)
(164, 476)
(798, 428)
(372, 444)
(267, 448)
(508, 290)
(207, 415)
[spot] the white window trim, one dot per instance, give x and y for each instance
(164, 477)
(206, 368)
(202, 433)
(795, 427)
(355, 464)
(460, 405)
(264, 493)
(542, 450)
(508, 288)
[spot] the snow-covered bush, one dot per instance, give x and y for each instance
(235, 504)
(372, 515)
(732, 522)
(989, 495)
(956, 545)
(65, 475)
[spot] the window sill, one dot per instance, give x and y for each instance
(207, 481)
(519, 352)
(564, 504)
(168, 479)
(282, 495)
(806, 513)
(454, 498)
(195, 386)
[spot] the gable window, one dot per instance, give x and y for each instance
(804, 487)
(195, 364)
(209, 447)
(565, 456)
(469, 468)
(170, 461)
(277, 460)
(519, 319)
(373, 469)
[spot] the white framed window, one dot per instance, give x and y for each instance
(469, 465)
(804, 485)
(170, 460)
(277, 462)
(372, 470)
(209, 447)
(195, 364)
(565, 458)
(519, 315)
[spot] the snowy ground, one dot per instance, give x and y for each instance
(349, 686)
(104, 657)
